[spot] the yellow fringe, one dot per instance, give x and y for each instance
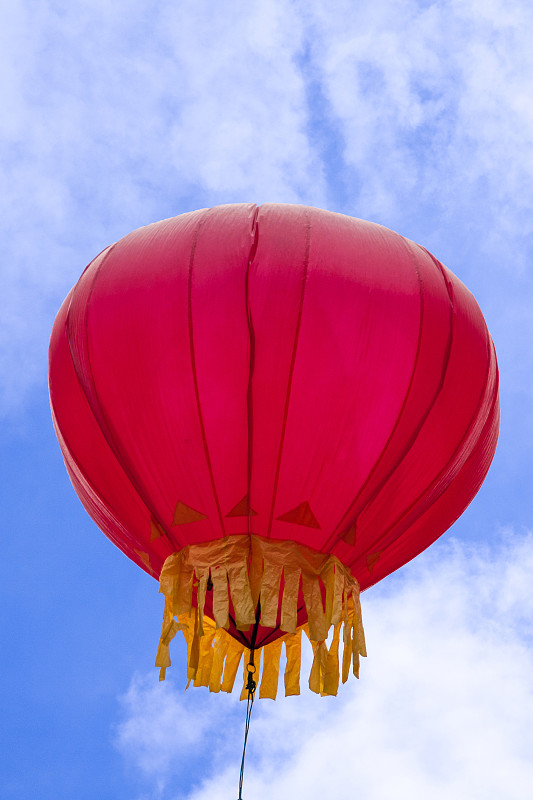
(248, 567)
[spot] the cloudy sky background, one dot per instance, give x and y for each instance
(416, 115)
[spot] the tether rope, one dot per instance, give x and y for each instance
(250, 686)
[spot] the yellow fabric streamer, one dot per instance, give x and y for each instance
(293, 650)
(271, 659)
(245, 569)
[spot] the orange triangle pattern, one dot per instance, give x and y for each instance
(145, 558)
(184, 514)
(156, 531)
(301, 515)
(372, 560)
(349, 535)
(242, 509)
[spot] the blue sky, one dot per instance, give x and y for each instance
(416, 115)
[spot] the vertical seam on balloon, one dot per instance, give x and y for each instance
(195, 375)
(492, 364)
(465, 436)
(108, 434)
(444, 370)
(251, 333)
(63, 438)
(339, 528)
(291, 372)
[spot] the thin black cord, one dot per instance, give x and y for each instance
(250, 686)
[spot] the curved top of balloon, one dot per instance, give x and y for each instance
(280, 404)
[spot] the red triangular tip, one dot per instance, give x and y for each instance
(349, 535)
(301, 515)
(372, 560)
(156, 530)
(184, 514)
(242, 509)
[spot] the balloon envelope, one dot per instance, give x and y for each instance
(276, 371)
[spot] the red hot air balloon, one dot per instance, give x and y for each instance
(270, 409)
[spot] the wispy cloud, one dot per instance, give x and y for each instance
(116, 119)
(443, 706)
(433, 104)
(416, 115)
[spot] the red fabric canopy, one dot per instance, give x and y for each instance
(279, 370)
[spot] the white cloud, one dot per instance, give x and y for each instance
(113, 119)
(433, 103)
(443, 707)
(240, 129)
(160, 729)
(413, 114)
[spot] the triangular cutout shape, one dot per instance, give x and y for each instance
(156, 530)
(372, 560)
(184, 514)
(145, 558)
(242, 509)
(349, 535)
(301, 515)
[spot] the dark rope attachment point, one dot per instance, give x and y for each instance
(250, 687)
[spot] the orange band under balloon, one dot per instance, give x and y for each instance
(246, 568)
